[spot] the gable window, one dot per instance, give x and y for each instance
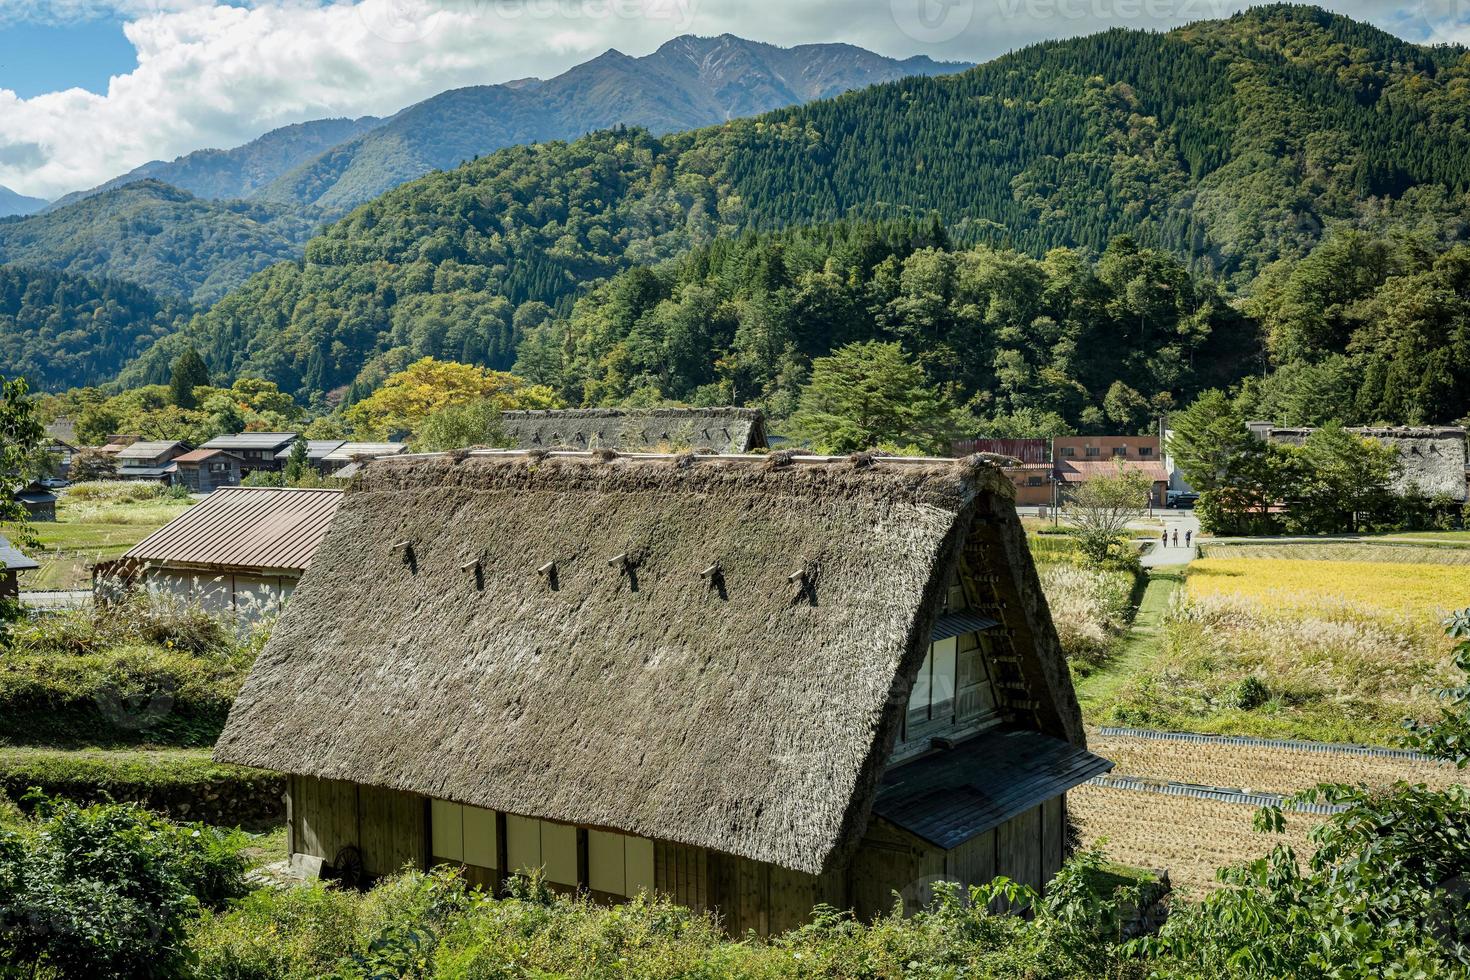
(952, 693)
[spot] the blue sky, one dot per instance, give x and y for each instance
(194, 74)
(39, 58)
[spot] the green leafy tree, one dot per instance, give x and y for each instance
(1240, 477)
(1101, 509)
(868, 394)
(298, 463)
(460, 426)
(1338, 479)
(22, 452)
(189, 372)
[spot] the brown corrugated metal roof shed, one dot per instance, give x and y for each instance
(265, 528)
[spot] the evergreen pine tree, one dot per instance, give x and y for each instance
(189, 372)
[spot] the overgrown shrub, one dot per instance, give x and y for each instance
(420, 925)
(181, 785)
(145, 671)
(109, 891)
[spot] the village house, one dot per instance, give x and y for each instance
(752, 683)
(38, 500)
(1031, 474)
(712, 430)
(1078, 459)
(240, 551)
(348, 453)
(256, 450)
(12, 563)
(206, 470)
(148, 459)
(1433, 459)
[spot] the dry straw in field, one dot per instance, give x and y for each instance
(1190, 837)
(1261, 769)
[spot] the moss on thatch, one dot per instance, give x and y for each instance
(626, 689)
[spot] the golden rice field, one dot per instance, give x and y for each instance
(1412, 590)
(1187, 836)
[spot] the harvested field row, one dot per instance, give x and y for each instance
(1189, 837)
(1397, 552)
(1260, 769)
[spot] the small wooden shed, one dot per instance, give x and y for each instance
(241, 551)
(752, 683)
(206, 470)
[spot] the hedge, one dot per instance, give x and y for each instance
(183, 785)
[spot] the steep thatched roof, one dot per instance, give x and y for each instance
(1433, 457)
(719, 430)
(727, 712)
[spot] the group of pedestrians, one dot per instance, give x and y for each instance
(1164, 538)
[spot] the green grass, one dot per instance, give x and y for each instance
(1141, 645)
(1374, 550)
(1452, 537)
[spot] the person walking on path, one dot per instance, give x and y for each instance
(1164, 540)
(1187, 536)
(1176, 537)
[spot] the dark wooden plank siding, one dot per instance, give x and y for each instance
(1053, 835)
(682, 873)
(887, 861)
(324, 815)
(1018, 848)
(391, 830)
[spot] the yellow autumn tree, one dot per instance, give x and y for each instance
(406, 399)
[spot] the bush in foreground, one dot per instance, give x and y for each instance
(109, 891)
(422, 925)
(144, 672)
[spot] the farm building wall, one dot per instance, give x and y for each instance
(392, 829)
(244, 594)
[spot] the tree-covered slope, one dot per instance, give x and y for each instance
(61, 331)
(687, 83)
(1229, 144)
(161, 238)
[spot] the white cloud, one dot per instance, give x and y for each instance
(209, 74)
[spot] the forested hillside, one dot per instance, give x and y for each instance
(1048, 343)
(1230, 145)
(161, 238)
(59, 330)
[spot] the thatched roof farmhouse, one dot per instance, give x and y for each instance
(715, 430)
(1433, 458)
(752, 682)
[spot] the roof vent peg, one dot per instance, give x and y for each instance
(405, 549)
(548, 572)
(475, 565)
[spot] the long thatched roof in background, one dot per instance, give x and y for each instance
(717, 430)
(1433, 458)
(431, 649)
